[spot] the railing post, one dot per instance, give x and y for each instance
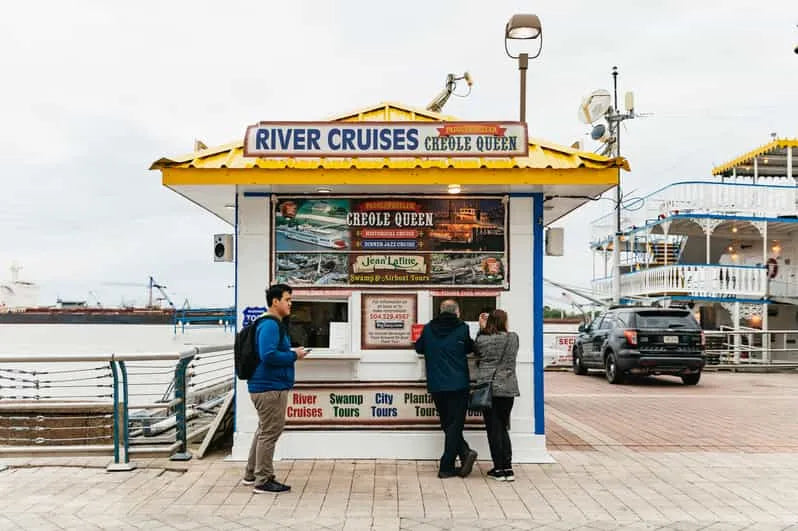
(737, 337)
(116, 412)
(121, 430)
(181, 427)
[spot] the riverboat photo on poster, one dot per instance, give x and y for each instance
(311, 225)
(401, 241)
(325, 223)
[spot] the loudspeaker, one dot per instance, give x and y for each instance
(555, 241)
(222, 247)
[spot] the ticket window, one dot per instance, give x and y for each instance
(310, 321)
(470, 307)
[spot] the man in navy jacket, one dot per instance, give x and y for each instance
(268, 389)
(445, 343)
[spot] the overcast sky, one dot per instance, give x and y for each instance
(92, 92)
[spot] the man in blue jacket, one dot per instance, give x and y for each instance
(445, 343)
(268, 389)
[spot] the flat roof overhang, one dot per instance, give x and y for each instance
(564, 190)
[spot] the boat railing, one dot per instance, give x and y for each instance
(111, 404)
(704, 197)
(697, 280)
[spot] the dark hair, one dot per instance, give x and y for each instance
(497, 322)
(276, 292)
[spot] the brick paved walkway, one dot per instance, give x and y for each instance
(724, 412)
(636, 475)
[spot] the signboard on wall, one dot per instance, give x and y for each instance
(387, 139)
(251, 313)
(386, 405)
(563, 346)
(387, 320)
(336, 241)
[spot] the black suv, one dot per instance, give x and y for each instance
(641, 340)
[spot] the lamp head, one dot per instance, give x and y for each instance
(523, 27)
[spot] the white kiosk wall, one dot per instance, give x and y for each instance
(253, 255)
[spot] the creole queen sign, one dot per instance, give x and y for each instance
(387, 139)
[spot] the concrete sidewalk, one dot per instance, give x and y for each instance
(613, 488)
(653, 454)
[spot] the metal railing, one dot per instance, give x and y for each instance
(114, 404)
(751, 346)
(204, 317)
(697, 280)
(703, 197)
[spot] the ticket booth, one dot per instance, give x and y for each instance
(374, 218)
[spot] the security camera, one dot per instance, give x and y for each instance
(796, 49)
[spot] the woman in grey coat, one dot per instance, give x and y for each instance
(497, 350)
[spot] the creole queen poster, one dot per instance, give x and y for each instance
(359, 241)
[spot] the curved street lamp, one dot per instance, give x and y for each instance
(523, 28)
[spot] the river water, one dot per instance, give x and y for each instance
(92, 380)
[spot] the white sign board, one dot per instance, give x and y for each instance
(387, 139)
(387, 320)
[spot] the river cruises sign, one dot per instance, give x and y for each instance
(339, 241)
(386, 139)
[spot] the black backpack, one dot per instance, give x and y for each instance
(245, 349)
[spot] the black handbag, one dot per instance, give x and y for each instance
(481, 396)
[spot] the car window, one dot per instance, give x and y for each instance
(624, 319)
(596, 323)
(608, 322)
(666, 319)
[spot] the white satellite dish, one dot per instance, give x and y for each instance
(595, 106)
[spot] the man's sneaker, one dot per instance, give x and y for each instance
(446, 474)
(248, 481)
(508, 474)
(270, 486)
(468, 463)
(496, 474)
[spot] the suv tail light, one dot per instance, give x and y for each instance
(631, 337)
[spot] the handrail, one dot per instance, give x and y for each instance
(715, 183)
(129, 356)
(117, 369)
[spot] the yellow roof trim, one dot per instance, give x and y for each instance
(745, 159)
(542, 154)
(386, 176)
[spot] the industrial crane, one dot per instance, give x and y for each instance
(152, 285)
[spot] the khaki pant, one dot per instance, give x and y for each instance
(270, 406)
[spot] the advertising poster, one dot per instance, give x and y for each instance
(387, 320)
(346, 241)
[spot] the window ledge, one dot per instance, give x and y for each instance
(330, 355)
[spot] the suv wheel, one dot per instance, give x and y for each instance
(691, 379)
(579, 367)
(614, 376)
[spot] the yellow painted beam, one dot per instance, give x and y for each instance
(744, 160)
(387, 176)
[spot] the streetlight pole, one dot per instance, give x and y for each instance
(616, 245)
(523, 64)
(523, 28)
